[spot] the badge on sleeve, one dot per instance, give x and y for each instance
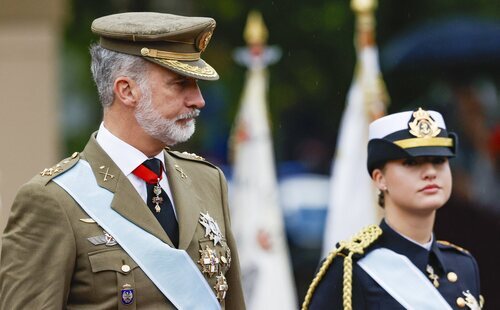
(127, 294)
(212, 230)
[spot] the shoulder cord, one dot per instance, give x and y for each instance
(356, 245)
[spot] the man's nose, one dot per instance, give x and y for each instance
(195, 98)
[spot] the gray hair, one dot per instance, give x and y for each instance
(107, 65)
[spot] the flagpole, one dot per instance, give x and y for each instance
(257, 219)
(352, 202)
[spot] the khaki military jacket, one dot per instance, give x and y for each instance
(55, 257)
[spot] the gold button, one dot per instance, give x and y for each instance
(460, 302)
(144, 51)
(125, 268)
(452, 277)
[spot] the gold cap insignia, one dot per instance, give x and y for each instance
(203, 40)
(423, 126)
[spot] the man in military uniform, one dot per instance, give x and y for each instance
(399, 264)
(128, 223)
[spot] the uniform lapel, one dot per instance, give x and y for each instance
(126, 201)
(186, 200)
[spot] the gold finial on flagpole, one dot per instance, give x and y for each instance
(365, 21)
(255, 32)
(362, 6)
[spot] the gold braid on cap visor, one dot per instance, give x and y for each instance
(427, 141)
(150, 52)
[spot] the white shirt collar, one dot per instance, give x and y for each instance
(125, 156)
(426, 245)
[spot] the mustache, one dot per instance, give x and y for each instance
(193, 114)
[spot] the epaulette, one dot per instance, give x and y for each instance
(356, 245)
(190, 156)
(451, 245)
(64, 165)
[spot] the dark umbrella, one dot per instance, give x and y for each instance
(454, 44)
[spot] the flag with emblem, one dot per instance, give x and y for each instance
(257, 219)
(353, 203)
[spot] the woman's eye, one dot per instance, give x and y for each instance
(438, 160)
(409, 162)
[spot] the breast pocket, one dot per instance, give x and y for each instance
(114, 277)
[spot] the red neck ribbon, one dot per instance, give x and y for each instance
(147, 175)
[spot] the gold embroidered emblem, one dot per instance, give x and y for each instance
(51, 171)
(179, 169)
(106, 174)
(423, 126)
(204, 40)
(206, 71)
(209, 261)
(193, 155)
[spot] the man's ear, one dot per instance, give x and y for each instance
(126, 91)
(379, 179)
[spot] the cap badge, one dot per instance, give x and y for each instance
(209, 261)
(204, 39)
(212, 229)
(423, 126)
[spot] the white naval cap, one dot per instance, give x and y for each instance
(408, 134)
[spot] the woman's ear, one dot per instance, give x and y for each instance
(126, 91)
(379, 179)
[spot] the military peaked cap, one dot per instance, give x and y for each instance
(172, 41)
(409, 134)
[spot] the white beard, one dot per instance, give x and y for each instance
(165, 130)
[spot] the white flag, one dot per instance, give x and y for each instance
(257, 219)
(352, 195)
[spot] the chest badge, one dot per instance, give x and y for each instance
(103, 239)
(127, 294)
(471, 301)
(209, 261)
(212, 229)
(227, 259)
(221, 287)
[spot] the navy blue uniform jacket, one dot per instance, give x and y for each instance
(367, 294)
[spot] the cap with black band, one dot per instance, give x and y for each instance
(409, 134)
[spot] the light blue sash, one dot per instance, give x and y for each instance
(171, 270)
(397, 275)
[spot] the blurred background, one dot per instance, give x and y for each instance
(442, 55)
